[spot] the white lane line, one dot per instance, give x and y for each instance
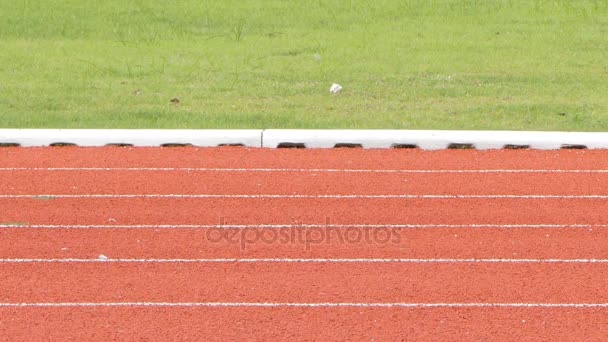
(204, 169)
(305, 260)
(301, 226)
(287, 196)
(304, 305)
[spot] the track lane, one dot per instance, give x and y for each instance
(233, 182)
(307, 158)
(222, 324)
(285, 211)
(304, 282)
(425, 243)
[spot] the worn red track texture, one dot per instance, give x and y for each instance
(349, 244)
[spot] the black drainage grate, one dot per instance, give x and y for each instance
(120, 145)
(516, 147)
(175, 145)
(9, 145)
(291, 145)
(404, 146)
(460, 146)
(347, 145)
(62, 144)
(573, 147)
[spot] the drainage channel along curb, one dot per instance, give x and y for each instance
(131, 137)
(433, 140)
(279, 138)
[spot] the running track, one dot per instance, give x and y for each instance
(235, 243)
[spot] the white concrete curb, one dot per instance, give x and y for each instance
(135, 137)
(432, 140)
(273, 138)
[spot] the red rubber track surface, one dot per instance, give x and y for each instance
(176, 244)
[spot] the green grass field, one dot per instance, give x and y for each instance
(412, 64)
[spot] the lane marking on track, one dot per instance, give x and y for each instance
(305, 305)
(287, 196)
(303, 260)
(204, 169)
(18, 225)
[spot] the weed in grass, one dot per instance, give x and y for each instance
(238, 29)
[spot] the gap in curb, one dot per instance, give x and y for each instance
(119, 145)
(231, 145)
(291, 145)
(175, 145)
(10, 144)
(410, 146)
(516, 147)
(573, 147)
(62, 144)
(460, 146)
(347, 145)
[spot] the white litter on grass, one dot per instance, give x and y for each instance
(102, 257)
(335, 89)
